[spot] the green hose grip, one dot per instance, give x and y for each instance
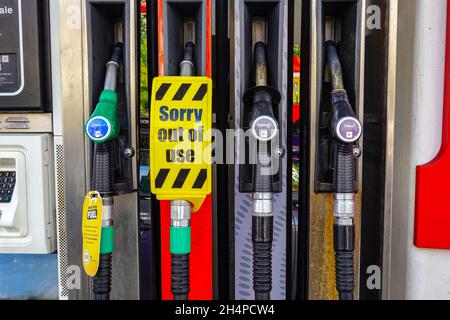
(103, 125)
(180, 240)
(107, 240)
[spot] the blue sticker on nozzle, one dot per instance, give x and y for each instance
(98, 128)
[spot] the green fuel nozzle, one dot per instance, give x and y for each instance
(103, 125)
(101, 128)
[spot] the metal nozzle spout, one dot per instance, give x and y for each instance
(260, 64)
(335, 67)
(112, 68)
(187, 65)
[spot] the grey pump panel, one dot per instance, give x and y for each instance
(275, 15)
(22, 81)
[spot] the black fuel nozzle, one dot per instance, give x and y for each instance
(347, 130)
(264, 127)
(345, 126)
(262, 99)
(102, 128)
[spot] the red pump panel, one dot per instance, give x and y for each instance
(201, 257)
(432, 225)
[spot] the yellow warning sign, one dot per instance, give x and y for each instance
(180, 139)
(92, 232)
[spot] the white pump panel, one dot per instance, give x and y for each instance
(27, 209)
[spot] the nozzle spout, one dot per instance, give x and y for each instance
(260, 64)
(335, 67)
(112, 68)
(187, 65)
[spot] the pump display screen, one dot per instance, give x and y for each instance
(24, 56)
(10, 47)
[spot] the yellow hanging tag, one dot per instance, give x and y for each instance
(92, 232)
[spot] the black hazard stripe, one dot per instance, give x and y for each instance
(161, 178)
(181, 93)
(181, 178)
(162, 91)
(201, 93)
(201, 179)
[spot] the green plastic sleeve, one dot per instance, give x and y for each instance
(107, 240)
(180, 240)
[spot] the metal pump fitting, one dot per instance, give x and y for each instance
(344, 205)
(180, 214)
(262, 204)
(107, 213)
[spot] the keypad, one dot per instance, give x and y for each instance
(7, 185)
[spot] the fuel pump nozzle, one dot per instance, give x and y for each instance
(180, 216)
(347, 130)
(102, 128)
(264, 129)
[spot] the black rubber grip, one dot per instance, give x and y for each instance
(180, 276)
(344, 244)
(345, 275)
(103, 279)
(262, 270)
(345, 169)
(262, 237)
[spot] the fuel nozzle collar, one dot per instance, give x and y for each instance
(345, 125)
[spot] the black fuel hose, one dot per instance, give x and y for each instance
(180, 284)
(102, 182)
(103, 280)
(102, 169)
